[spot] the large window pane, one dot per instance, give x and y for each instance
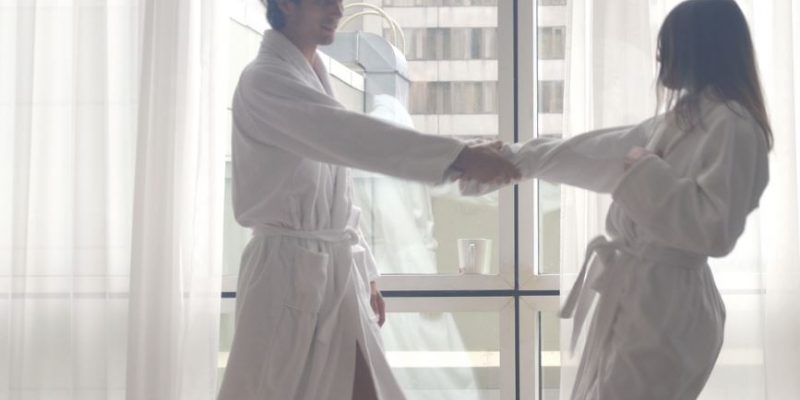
(549, 228)
(445, 355)
(550, 94)
(227, 326)
(549, 356)
(449, 88)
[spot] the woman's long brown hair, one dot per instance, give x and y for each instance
(705, 46)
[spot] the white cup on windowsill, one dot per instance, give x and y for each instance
(474, 256)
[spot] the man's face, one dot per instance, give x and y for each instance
(315, 21)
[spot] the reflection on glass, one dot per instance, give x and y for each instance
(549, 228)
(434, 355)
(444, 84)
(226, 329)
(445, 355)
(551, 53)
(414, 228)
(549, 356)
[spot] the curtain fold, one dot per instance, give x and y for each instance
(111, 171)
(610, 81)
(777, 40)
(609, 71)
(178, 196)
(68, 144)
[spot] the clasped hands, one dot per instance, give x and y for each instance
(482, 162)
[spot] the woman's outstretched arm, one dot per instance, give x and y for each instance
(593, 160)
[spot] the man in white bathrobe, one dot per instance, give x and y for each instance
(308, 308)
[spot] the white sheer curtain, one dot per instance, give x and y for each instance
(610, 81)
(177, 231)
(68, 111)
(110, 193)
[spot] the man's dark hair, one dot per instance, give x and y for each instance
(275, 15)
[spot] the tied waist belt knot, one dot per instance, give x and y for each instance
(327, 321)
(594, 273)
(601, 274)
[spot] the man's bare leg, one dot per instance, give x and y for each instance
(363, 385)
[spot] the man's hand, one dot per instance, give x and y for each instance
(376, 301)
(483, 163)
(491, 144)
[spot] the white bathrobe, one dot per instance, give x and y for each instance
(303, 294)
(658, 326)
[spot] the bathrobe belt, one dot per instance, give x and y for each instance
(346, 236)
(602, 274)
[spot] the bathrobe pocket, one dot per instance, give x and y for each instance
(293, 335)
(308, 273)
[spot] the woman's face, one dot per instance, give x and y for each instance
(669, 66)
(663, 73)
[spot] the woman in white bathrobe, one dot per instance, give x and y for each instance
(307, 307)
(683, 184)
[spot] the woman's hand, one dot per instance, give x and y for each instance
(483, 163)
(634, 155)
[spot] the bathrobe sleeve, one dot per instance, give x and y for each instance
(594, 160)
(273, 109)
(705, 213)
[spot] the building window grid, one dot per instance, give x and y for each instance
(440, 3)
(429, 44)
(552, 42)
(552, 2)
(445, 97)
(551, 97)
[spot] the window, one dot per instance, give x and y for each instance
(449, 43)
(551, 97)
(552, 2)
(551, 42)
(453, 98)
(438, 3)
(547, 75)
